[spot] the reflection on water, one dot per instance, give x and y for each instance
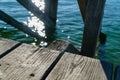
(27, 18)
(35, 23)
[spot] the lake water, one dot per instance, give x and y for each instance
(69, 25)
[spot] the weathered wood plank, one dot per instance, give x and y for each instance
(117, 73)
(94, 14)
(63, 46)
(76, 67)
(27, 63)
(11, 21)
(6, 46)
(11, 60)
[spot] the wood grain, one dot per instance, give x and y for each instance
(26, 62)
(76, 67)
(63, 46)
(7, 45)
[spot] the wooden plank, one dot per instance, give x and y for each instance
(9, 20)
(94, 14)
(76, 67)
(63, 46)
(6, 46)
(117, 73)
(27, 63)
(108, 69)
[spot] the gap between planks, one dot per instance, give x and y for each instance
(6, 46)
(29, 62)
(76, 67)
(26, 63)
(12, 62)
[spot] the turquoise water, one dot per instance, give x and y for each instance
(69, 26)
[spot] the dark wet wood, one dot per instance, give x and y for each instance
(51, 9)
(83, 5)
(94, 14)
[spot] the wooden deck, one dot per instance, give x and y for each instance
(19, 61)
